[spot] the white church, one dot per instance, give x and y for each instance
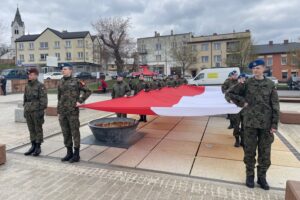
(17, 30)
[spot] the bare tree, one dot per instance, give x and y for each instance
(113, 33)
(240, 53)
(293, 58)
(184, 55)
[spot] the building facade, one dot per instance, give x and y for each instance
(282, 60)
(156, 52)
(76, 48)
(218, 50)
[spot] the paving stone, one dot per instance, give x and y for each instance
(108, 155)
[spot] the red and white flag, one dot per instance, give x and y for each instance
(182, 101)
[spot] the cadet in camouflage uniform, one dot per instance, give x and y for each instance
(120, 89)
(35, 102)
(69, 98)
(170, 82)
(139, 86)
(259, 99)
(156, 84)
(233, 118)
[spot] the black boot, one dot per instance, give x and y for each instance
(69, 154)
(141, 118)
(145, 118)
(37, 150)
(230, 126)
(76, 156)
(250, 181)
(237, 141)
(31, 150)
(242, 142)
(263, 183)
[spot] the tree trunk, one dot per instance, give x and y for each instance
(119, 62)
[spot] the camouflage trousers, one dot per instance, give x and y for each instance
(260, 140)
(235, 120)
(35, 121)
(70, 125)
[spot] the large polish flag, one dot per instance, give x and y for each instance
(181, 101)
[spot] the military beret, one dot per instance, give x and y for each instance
(242, 75)
(33, 70)
(256, 63)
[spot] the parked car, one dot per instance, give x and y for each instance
(274, 79)
(187, 77)
(14, 74)
(294, 83)
(53, 75)
(83, 75)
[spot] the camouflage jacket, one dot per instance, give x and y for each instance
(69, 93)
(228, 83)
(171, 83)
(35, 96)
(262, 99)
(120, 89)
(141, 85)
(156, 84)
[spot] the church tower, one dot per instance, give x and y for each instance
(17, 29)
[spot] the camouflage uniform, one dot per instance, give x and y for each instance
(261, 114)
(35, 102)
(234, 118)
(120, 89)
(170, 83)
(69, 93)
(156, 84)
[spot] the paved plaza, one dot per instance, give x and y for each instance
(178, 158)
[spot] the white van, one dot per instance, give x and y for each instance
(213, 76)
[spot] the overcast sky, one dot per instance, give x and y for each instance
(267, 19)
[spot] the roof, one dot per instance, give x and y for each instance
(18, 18)
(275, 48)
(62, 35)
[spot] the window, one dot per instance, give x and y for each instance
(174, 44)
(217, 58)
(233, 46)
(57, 55)
(68, 56)
(21, 46)
(284, 75)
(194, 47)
(80, 55)
(204, 59)
(158, 46)
(144, 60)
(269, 61)
(68, 44)
(158, 58)
(86, 55)
(200, 76)
(283, 59)
(56, 44)
(217, 46)
(31, 57)
(294, 74)
(194, 60)
(87, 44)
(16, 31)
(43, 57)
(204, 47)
(44, 45)
(80, 43)
(22, 58)
(31, 45)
